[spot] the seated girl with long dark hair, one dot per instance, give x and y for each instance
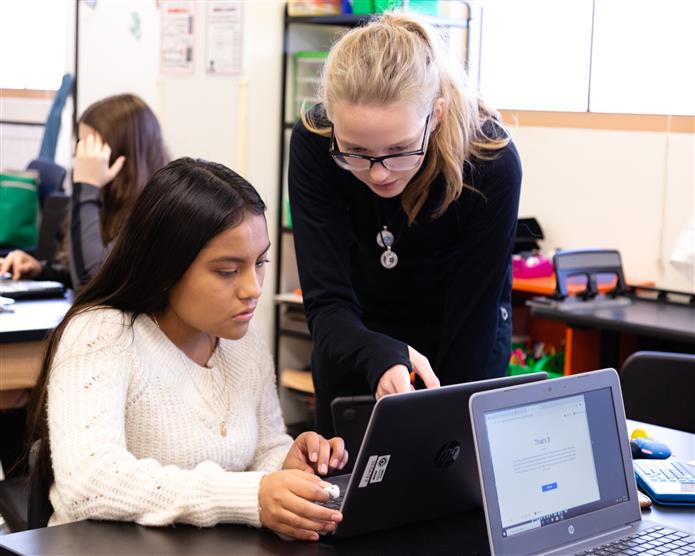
(157, 400)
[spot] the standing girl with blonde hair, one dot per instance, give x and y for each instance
(404, 189)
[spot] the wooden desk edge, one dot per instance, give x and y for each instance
(20, 363)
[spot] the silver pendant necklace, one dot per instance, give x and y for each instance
(385, 239)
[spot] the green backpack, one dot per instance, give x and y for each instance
(19, 209)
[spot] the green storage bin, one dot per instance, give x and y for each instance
(381, 6)
(362, 6)
(286, 214)
(19, 209)
(427, 7)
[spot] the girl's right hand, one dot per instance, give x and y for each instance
(286, 504)
(92, 162)
(20, 265)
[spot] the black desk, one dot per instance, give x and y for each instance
(463, 534)
(666, 321)
(32, 320)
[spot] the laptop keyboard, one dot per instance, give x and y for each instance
(666, 471)
(30, 288)
(652, 541)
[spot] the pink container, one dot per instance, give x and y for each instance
(536, 266)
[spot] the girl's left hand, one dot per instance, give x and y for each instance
(313, 453)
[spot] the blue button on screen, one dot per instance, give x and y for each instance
(549, 486)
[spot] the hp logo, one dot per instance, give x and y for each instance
(447, 454)
(570, 529)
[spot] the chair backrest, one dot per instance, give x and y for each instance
(659, 388)
(51, 177)
(55, 209)
(39, 509)
(588, 263)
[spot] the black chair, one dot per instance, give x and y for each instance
(51, 177)
(55, 208)
(659, 388)
(24, 501)
(588, 264)
(39, 507)
(13, 503)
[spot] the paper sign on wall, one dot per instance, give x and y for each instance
(177, 37)
(223, 38)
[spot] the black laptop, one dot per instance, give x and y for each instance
(416, 461)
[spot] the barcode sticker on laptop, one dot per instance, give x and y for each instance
(366, 475)
(380, 469)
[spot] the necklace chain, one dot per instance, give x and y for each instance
(221, 398)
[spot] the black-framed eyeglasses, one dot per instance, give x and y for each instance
(395, 162)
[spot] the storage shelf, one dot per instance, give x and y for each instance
(294, 334)
(354, 20)
(289, 297)
(300, 381)
(289, 330)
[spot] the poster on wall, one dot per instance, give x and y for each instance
(223, 38)
(177, 37)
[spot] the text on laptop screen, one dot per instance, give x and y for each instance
(555, 460)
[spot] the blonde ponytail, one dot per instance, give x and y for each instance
(398, 58)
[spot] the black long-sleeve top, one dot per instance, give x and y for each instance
(86, 248)
(449, 296)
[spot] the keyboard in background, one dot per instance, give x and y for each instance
(31, 289)
(666, 481)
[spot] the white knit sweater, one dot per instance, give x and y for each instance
(134, 425)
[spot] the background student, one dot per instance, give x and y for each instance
(120, 145)
(404, 191)
(157, 399)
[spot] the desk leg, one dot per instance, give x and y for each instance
(581, 350)
(610, 349)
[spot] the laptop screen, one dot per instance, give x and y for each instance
(555, 460)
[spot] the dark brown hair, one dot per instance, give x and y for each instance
(183, 206)
(131, 129)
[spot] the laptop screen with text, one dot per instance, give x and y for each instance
(555, 460)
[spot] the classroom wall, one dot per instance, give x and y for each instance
(233, 120)
(631, 190)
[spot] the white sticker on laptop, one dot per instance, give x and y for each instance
(371, 462)
(380, 469)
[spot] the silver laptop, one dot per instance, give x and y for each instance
(556, 471)
(416, 460)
